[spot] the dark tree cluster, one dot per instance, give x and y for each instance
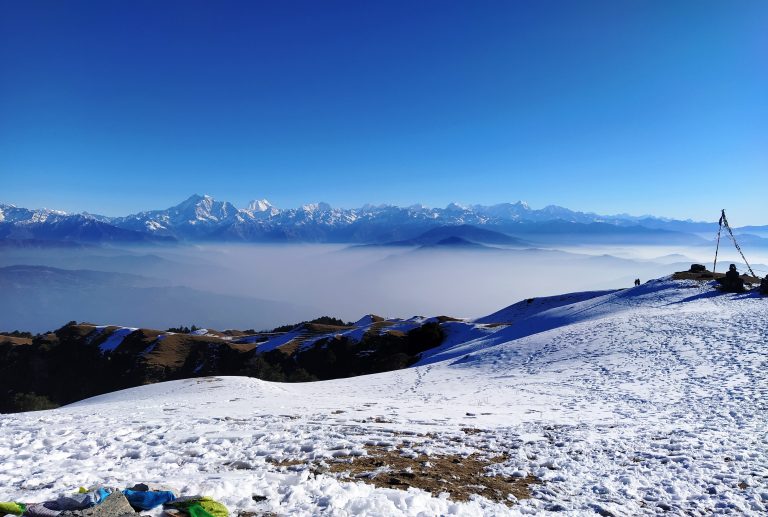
(17, 333)
(322, 320)
(181, 329)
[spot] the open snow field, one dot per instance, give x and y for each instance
(645, 401)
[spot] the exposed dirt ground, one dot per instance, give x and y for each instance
(459, 476)
(708, 275)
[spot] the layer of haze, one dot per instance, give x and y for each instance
(261, 286)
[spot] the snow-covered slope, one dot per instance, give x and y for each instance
(634, 402)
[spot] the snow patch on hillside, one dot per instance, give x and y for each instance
(115, 339)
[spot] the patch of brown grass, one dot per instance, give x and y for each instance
(459, 476)
(286, 463)
(291, 347)
(708, 275)
(15, 341)
(703, 276)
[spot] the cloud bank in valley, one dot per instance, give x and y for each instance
(263, 286)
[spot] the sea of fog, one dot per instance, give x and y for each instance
(263, 286)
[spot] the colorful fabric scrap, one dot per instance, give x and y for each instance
(146, 500)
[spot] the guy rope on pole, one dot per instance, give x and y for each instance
(719, 229)
(724, 221)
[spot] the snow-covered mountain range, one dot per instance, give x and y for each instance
(643, 401)
(202, 218)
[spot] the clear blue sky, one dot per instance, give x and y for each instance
(616, 106)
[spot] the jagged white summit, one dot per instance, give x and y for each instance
(643, 401)
(200, 209)
(259, 205)
(455, 207)
(195, 216)
(14, 214)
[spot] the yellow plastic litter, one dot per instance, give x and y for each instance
(12, 508)
(196, 510)
(215, 508)
(200, 507)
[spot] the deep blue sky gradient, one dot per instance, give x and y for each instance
(629, 106)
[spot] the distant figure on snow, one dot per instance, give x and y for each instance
(732, 281)
(764, 285)
(637, 282)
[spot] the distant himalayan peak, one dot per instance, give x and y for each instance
(317, 207)
(455, 207)
(204, 207)
(259, 205)
(207, 204)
